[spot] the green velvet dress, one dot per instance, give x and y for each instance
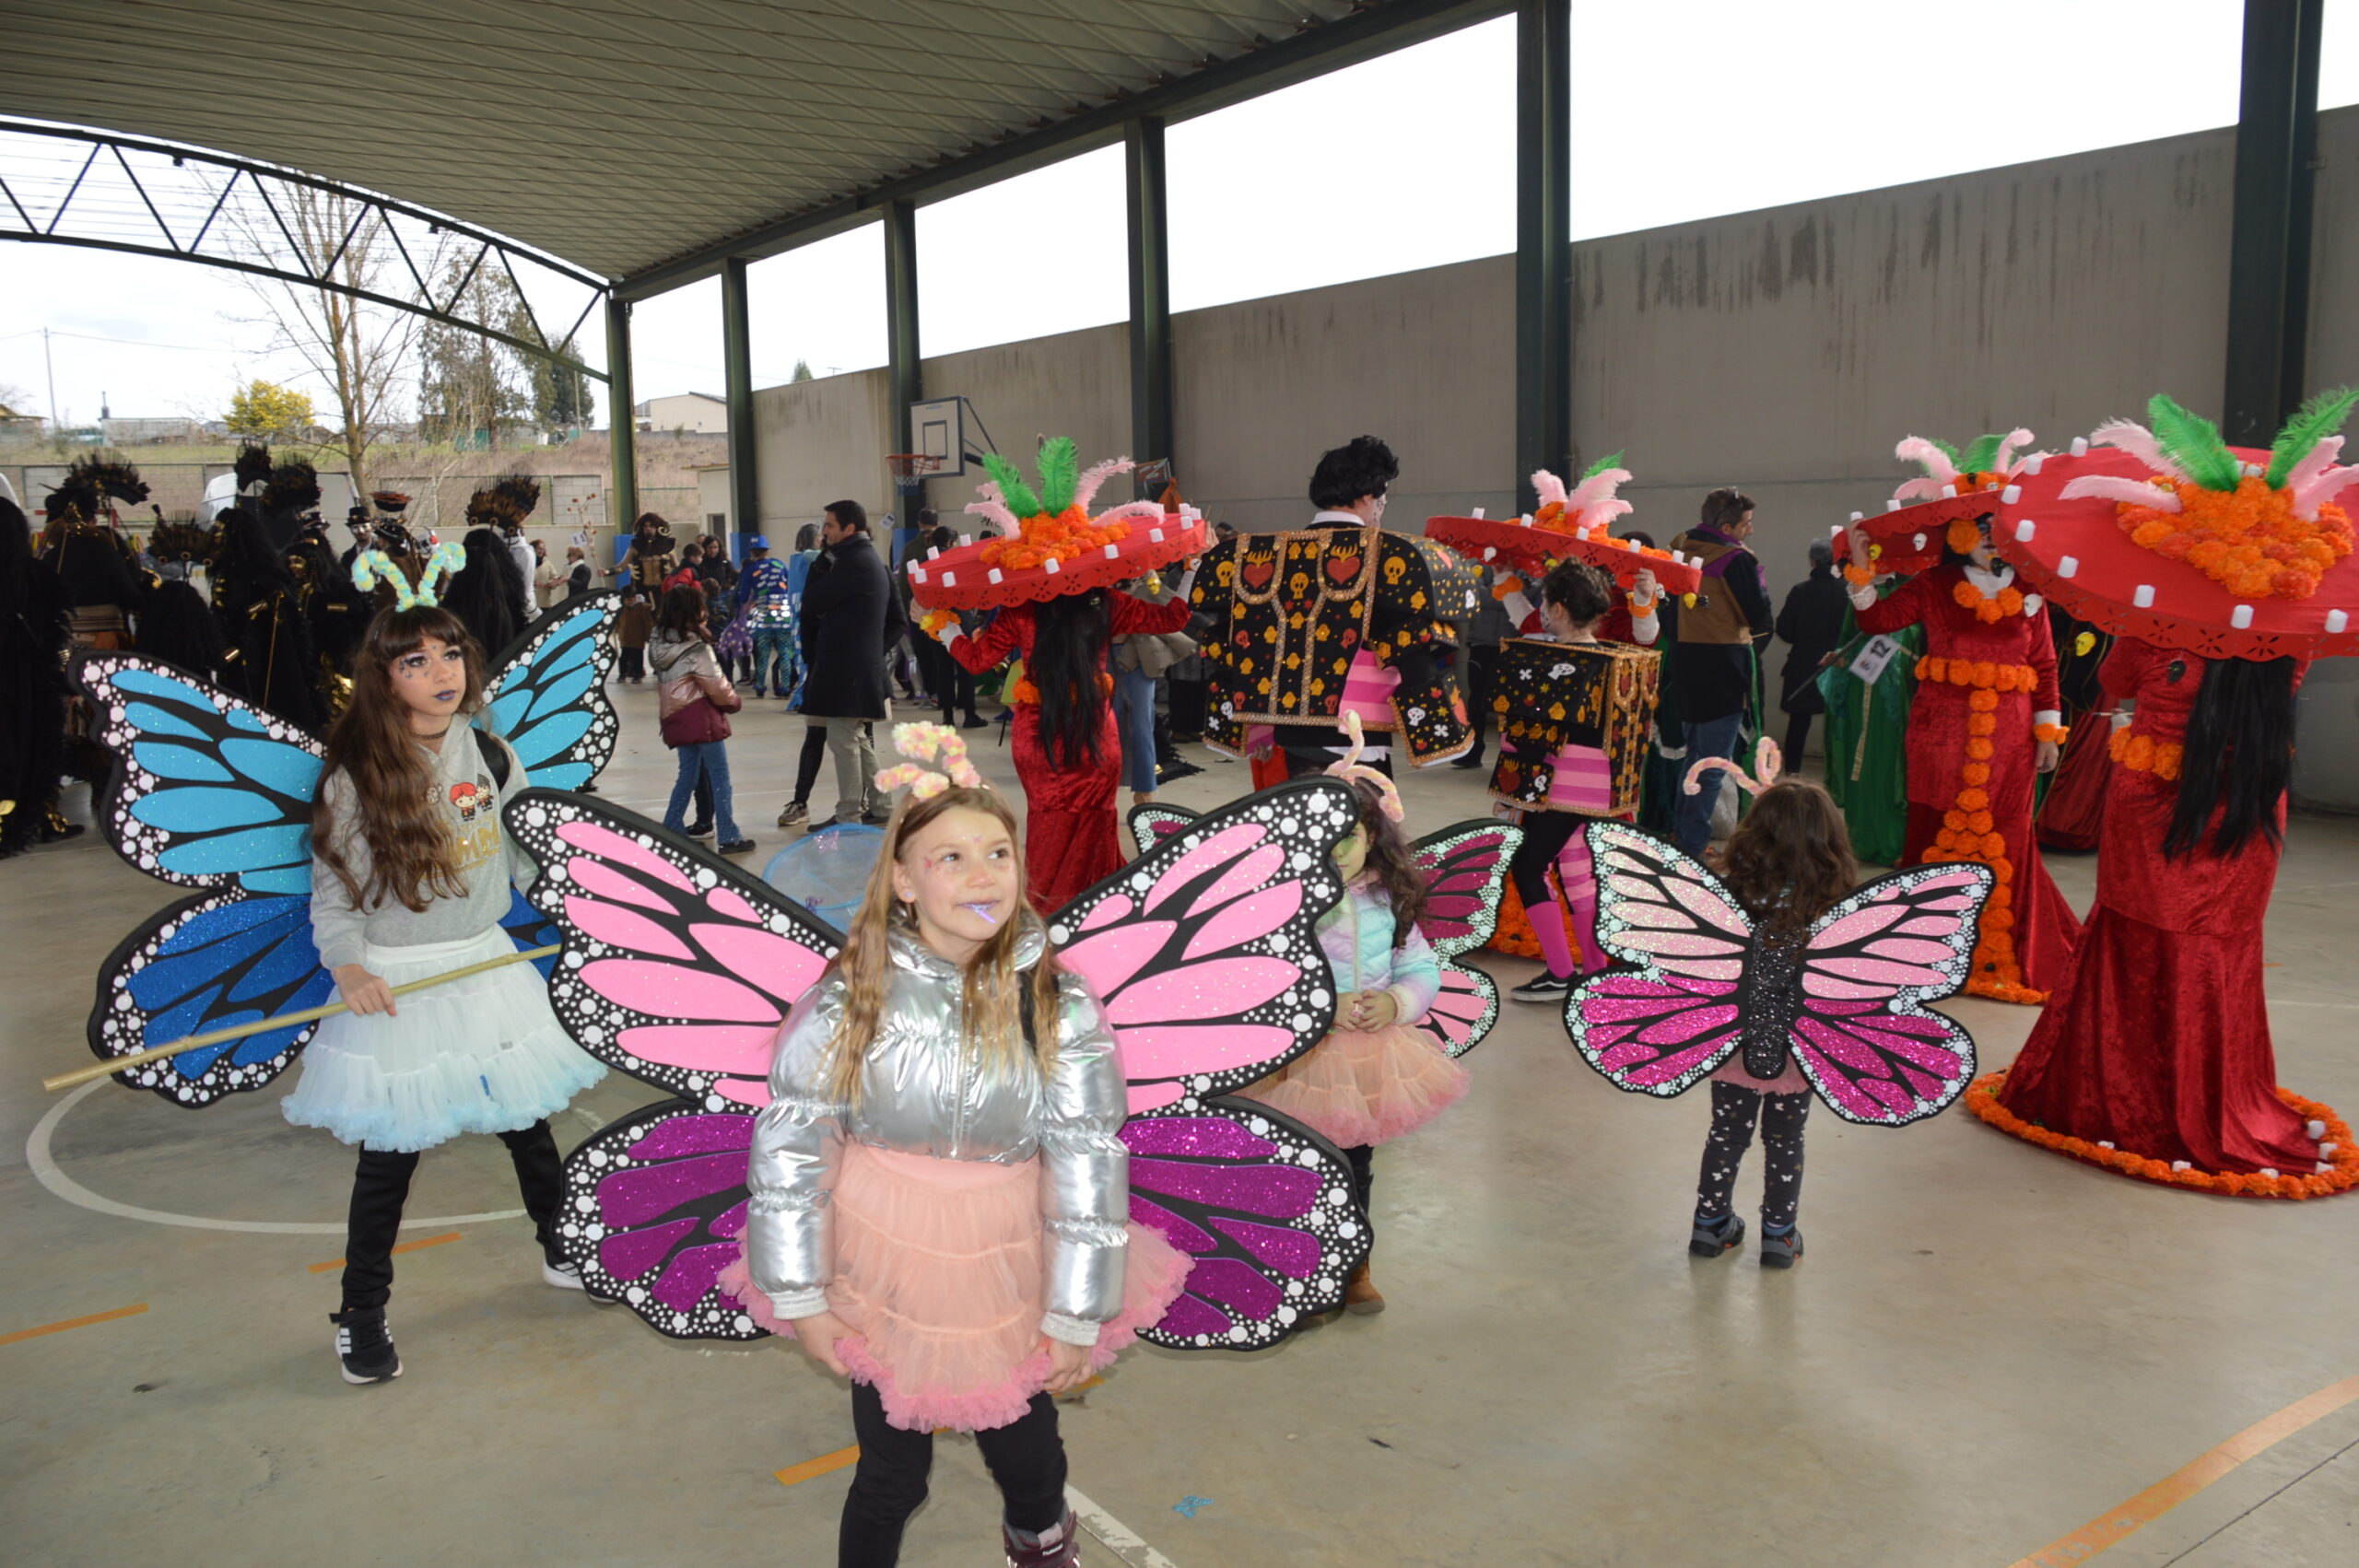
(1867, 756)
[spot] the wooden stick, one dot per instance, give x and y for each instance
(264, 1026)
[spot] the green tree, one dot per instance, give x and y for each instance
(468, 381)
(263, 409)
(802, 371)
(560, 393)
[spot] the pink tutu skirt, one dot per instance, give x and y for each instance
(1361, 1087)
(939, 1266)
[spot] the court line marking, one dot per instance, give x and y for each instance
(406, 1246)
(2117, 1525)
(73, 1323)
(1113, 1534)
(794, 1475)
(45, 1171)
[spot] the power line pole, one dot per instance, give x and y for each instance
(51, 364)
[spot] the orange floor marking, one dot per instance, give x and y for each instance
(406, 1246)
(73, 1323)
(795, 1474)
(2119, 1524)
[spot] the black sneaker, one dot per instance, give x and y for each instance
(699, 830)
(364, 1345)
(1472, 759)
(738, 846)
(1544, 986)
(975, 721)
(1709, 1240)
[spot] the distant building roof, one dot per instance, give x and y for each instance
(707, 397)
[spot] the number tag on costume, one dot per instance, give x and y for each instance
(1879, 651)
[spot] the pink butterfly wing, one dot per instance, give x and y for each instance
(1864, 1039)
(1465, 865)
(1203, 951)
(678, 968)
(1658, 1027)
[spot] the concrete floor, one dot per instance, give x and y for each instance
(1987, 1348)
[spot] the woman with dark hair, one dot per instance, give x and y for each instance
(34, 613)
(485, 591)
(2158, 1041)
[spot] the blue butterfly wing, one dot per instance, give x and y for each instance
(548, 696)
(212, 793)
(529, 928)
(207, 963)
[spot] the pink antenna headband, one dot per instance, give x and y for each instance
(1765, 756)
(1352, 770)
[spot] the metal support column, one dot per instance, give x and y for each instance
(902, 314)
(1150, 291)
(622, 421)
(1544, 303)
(736, 341)
(2269, 251)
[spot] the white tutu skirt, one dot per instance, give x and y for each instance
(484, 1054)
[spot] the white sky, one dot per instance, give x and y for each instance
(1685, 111)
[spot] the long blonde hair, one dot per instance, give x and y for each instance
(991, 1008)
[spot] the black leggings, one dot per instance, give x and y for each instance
(1362, 1157)
(380, 1187)
(807, 765)
(1026, 1457)
(1734, 1110)
(1546, 833)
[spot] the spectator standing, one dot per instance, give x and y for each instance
(851, 622)
(547, 579)
(633, 626)
(1811, 624)
(691, 683)
(1713, 659)
(578, 578)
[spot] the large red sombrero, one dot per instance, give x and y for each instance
(2077, 554)
(1955, 486)
(1052, 545)
(1575, 524)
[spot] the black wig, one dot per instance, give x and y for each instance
(1071, 637)
(2239, 757)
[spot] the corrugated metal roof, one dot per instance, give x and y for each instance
(614, 133)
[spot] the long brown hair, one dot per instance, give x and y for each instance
(1390, 862)
(411, 858)
(991, 1018)
(1790, 859)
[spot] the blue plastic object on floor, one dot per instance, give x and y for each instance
(826, 872)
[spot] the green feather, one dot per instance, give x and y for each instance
(1012, 486)
(1979, 457)
(1059, 474)
(1601, 465)
(2314, 422)
(2193, 442)
(1946, 450)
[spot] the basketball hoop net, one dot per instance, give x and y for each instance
(909, 470)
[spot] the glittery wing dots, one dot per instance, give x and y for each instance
(1204, 949)
(654, 1206)
(1465, 867)
(1263, 1207)
(1863, 1037)
(678, 968)
(548, 696)
(1153, 825)
(1672, 1015)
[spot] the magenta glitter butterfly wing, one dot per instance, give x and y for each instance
(1203, 951)
(678, 968)
(1465, 867)
(1673, 1014)
(1862, 1036)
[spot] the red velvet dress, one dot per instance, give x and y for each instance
(1983, 803)
(2158, 1042)
(1069, 827)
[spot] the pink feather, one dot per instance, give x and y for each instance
(1129, 510)
(1600, 514)
(2322, 489)
(2315, 462)
(988, 504)
(1085, 491)
(1595, 488)
(1918, 449)
(1550, 488)
(2113, 487)
(1927, 488)
(2127, 435)
(2016, 439)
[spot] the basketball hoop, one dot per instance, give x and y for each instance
(909, 470)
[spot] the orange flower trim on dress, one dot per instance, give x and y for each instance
(1968, 830)
(2247, 540)
(2143, 753)
(933, 621)
(1982, 1099)
(1858, 577)
(1988, 608)
(1041, 538)
(1963, 534)
(1027, 692)
(2054, 734)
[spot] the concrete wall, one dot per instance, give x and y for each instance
(1783, 351)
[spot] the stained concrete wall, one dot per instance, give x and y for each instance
(1783, 351)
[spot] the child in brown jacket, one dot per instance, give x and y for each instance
(633, 626)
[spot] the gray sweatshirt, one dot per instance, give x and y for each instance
(489, 863)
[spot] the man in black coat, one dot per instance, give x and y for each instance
(850, 621)
(1812, 623)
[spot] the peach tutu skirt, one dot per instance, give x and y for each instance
(1361, 1087)
(939, 1266)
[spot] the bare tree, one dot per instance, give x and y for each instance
(361, 353)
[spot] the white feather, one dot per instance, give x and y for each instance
(2128, 434)
(2113, 487)
(1917, 449)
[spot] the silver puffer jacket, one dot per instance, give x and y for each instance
(921, 1093)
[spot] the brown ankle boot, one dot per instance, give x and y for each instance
(1361, 1298)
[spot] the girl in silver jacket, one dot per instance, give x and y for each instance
(939, 1196)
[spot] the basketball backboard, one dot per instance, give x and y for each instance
(938, 429)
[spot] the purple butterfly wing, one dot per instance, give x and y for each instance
(1261, 1204)
(1671, 1015)
(1465, 867)
(1203, 951)
(654, 1205)
(678, 968)
(1153, 825)
(1864, 1039)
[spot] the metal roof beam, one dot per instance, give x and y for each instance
(1379, 28)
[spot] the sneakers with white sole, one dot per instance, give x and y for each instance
(364, 1346)
(1544, 986)
(565, 1276)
